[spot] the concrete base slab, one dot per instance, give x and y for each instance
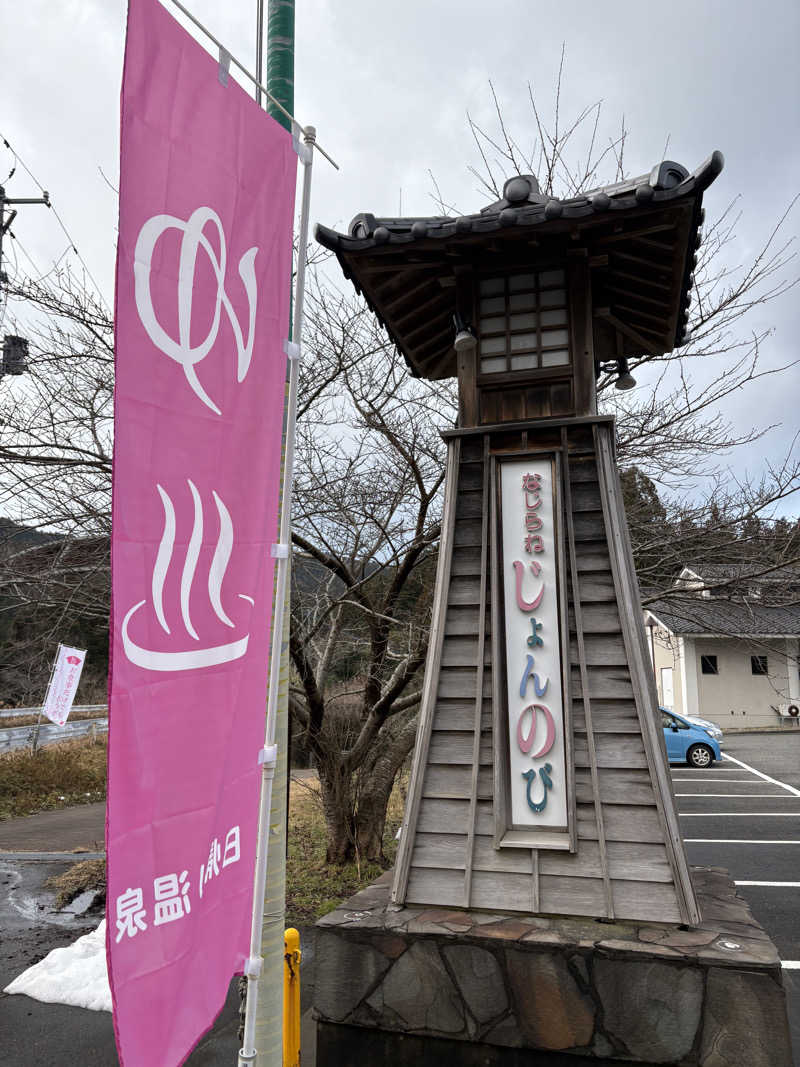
(439, 985)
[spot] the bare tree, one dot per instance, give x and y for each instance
(369, 476)
(55, 458)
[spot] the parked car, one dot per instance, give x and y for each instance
(712, 727)
(689, 742)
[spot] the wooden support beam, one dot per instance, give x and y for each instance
(628, 331)
(478, 710)
(579, 298)
(432, 663)
(584, 672)
(644, 688)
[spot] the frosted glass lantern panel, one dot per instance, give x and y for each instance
(524, 362)
(522, 302)
(557, 358)
(551, 338)
(524, 322)
(553, 298)
(554, 318)
(521, 281)
(493, 366)
(523, 341)
(495, 325)
(492, 345)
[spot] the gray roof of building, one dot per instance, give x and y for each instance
(713, 615)
(754, 572)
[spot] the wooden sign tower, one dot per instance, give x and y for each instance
(540, 782)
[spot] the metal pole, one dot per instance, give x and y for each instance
(259, 48)
(248, 1053)
(280, 60)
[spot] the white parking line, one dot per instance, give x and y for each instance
(736, 814)
(733, 841)
(741, 796)
(765, 777)
(788, 885)
(719, 781)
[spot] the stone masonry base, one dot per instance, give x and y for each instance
(436, 986)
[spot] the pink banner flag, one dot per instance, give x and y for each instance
(203, 278)
(63, 683)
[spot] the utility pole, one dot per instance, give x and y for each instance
(15, 349)
(5, 223)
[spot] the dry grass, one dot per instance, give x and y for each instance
(312, 887)
(89, 874)
(57, 776)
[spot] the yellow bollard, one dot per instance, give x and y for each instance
(291, 998)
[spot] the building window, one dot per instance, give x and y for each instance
(708, 665)
(758, 664)
(523, 322)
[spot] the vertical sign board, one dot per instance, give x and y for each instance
(203, 275)
(537, 744)
(63, 683)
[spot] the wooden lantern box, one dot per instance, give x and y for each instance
(540, 782)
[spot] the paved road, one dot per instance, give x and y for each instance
(82, 827)
(744, 814)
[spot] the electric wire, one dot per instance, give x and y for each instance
(60, 221)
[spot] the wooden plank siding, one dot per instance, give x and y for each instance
(626, 862)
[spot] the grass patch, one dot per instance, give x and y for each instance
(57, 776)
(89, 874)
(312, 887)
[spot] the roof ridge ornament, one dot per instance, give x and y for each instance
(518, 190)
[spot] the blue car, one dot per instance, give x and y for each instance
(688, 742)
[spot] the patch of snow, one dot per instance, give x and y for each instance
(75, 975)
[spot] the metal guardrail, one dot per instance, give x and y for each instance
(49, 733)
(12, 713)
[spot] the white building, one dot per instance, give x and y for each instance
(725, 647)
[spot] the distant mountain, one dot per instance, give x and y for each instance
(15, 537)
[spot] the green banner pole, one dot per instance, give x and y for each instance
(269, 1014)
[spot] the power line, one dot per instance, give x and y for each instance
(60, 221)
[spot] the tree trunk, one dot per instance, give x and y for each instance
(337, 807)
(355, 803)
(377, 779)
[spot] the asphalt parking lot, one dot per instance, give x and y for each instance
(744, 814)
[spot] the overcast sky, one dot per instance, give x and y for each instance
(388, 85)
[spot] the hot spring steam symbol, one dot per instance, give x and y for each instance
(192, 658)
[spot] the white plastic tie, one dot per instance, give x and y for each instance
(253, 965)
(292, 349)
(268, 755)
(280, 551)
(303, 150)
(224, 69)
